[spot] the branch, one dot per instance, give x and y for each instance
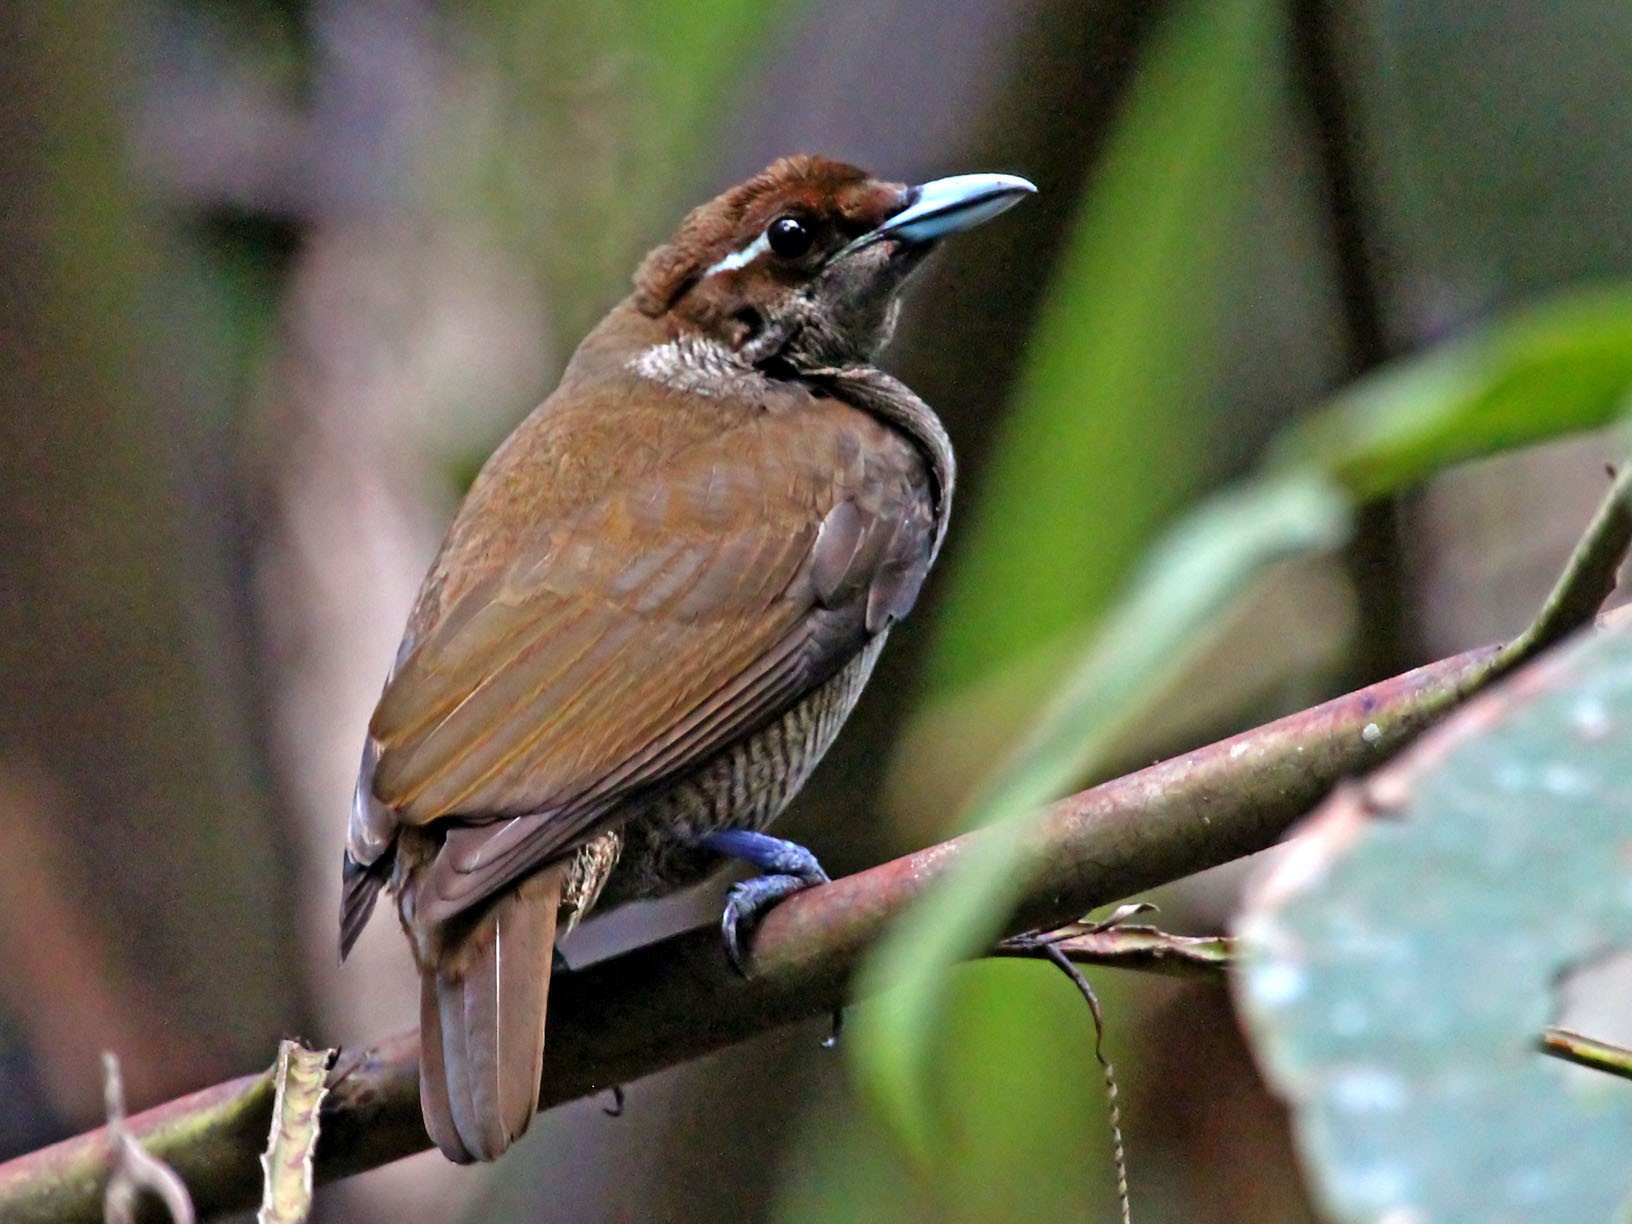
(674, 1000)
(670, 1001)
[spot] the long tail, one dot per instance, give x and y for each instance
(481, 1024)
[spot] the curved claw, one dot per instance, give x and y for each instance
(729, 940)
(831, 1041)
(789, 868)
(747, 902)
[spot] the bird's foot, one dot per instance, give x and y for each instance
(747, 902)
(788, 867)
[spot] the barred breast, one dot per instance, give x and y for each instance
(745, 787)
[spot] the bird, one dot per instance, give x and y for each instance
(656, 605)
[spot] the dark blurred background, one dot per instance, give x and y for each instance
(274, 278)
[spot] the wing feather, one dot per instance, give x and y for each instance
(479, 860)
(626, 641)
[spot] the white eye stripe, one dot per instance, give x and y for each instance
(739, 259)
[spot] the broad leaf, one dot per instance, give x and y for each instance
(1401, 964)
(1559, 366)
(1107, 432)
(1188, 582)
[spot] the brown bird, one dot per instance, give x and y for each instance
(655, 608)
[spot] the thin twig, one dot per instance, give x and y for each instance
(1051, 946)
(1587, 1051)
(133, 1172)
(1320, 81)
(1588, 577)
(1374, 558)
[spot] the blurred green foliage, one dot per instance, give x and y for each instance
(1199, 570)
(1560, 365)
(1015, 1071)
(1494, 138)
(1102, 444)
(1103, 441)
(1563, 367)
(595, 124)
(1106, 436)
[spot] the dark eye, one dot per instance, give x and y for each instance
(789, 237)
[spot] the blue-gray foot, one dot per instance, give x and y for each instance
(788, 868)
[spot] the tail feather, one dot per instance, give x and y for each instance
(433, 1077)
(482, 1024)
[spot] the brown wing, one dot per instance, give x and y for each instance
(628, 641)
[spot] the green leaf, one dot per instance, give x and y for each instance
(1561, 365)
(1199, 568)
(1557, 367)
(1549, 370)
(1016, 1068)
(1103, 409)
(1103, 440)
(1398, 972)
(1187, 583)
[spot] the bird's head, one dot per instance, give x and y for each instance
(802, 265)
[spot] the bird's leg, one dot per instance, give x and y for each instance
(788, 868)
